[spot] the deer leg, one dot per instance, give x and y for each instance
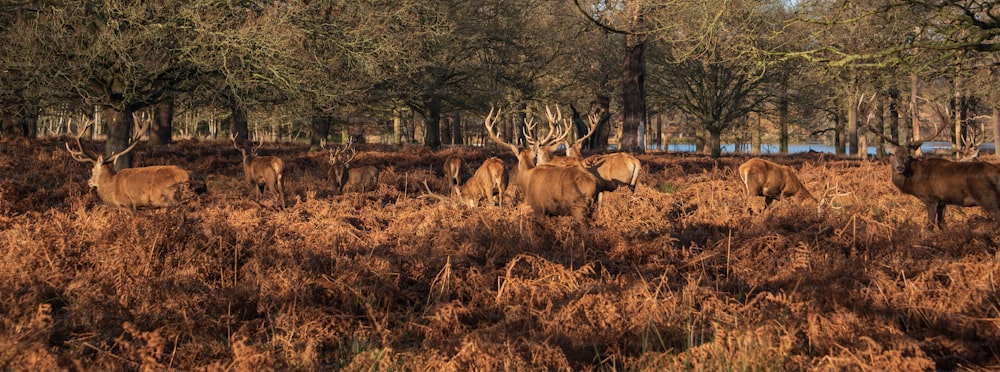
(935, 214)
(940, 215)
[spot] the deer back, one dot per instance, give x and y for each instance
(153, 186)
(764, 178)
(361, 179)
(558, 190)
(264, 170)
(614, 170)
(958, 183)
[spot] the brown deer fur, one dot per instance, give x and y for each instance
(351, 179)
(772, 181)
(940, 182)
(550, 189)
(133, 188)
(614, 170)
(263, 172)
(489, 178)
(452, 170)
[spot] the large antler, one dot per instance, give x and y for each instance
(232, 137)
(970, 144)
(491, 122)
(555, 135)
(81, 155)
(915, 144)
(142, 122)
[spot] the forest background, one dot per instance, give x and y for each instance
(707, 72)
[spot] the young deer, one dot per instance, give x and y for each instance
(263, 171)
(143, 187)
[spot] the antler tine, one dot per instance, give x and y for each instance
(490, 122)
(593, 119)
(917, 143)
(882, 136)
(354, 152)
(970, 144)
(232, 137)
(255, 148)
(82, 155)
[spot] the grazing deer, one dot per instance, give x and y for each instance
(153, 186)
(549, 189)
(452, 170)
(489, 178)
(347, 179)
(941, 182)
(772, 181)
(263, 171)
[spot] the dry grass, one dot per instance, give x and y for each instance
(675, 276)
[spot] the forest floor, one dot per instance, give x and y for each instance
(677, 275)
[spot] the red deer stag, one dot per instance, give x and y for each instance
(153, 186)
(263, 171)
(772, 181)
(549, 189)
(452, 170)
(348, 179)
(940, 182)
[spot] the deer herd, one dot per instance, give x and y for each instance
(570, 185)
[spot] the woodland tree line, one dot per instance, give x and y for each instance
(742, 71)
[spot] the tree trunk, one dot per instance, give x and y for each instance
(715, 143)
(996, 128)
(446, 124)
(880, 127)
(783, 126)
(160, 131)
(914, 115)
(634, 96)
(838, 136)
(320, 126)
(239, 122)
(659, 133)
(456, 130)
(852, 122)
(755, 136)
(432, 122)
(397, 127)
(959, 108)
(119, 124)
(12, 125)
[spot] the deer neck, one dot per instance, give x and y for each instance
(103, 174)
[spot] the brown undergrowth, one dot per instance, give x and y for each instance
(676, 276)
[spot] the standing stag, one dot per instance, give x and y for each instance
(549, 189)
(772, 181)
(263, 171)
(941, 182)
(346, 178)
(153, 186)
